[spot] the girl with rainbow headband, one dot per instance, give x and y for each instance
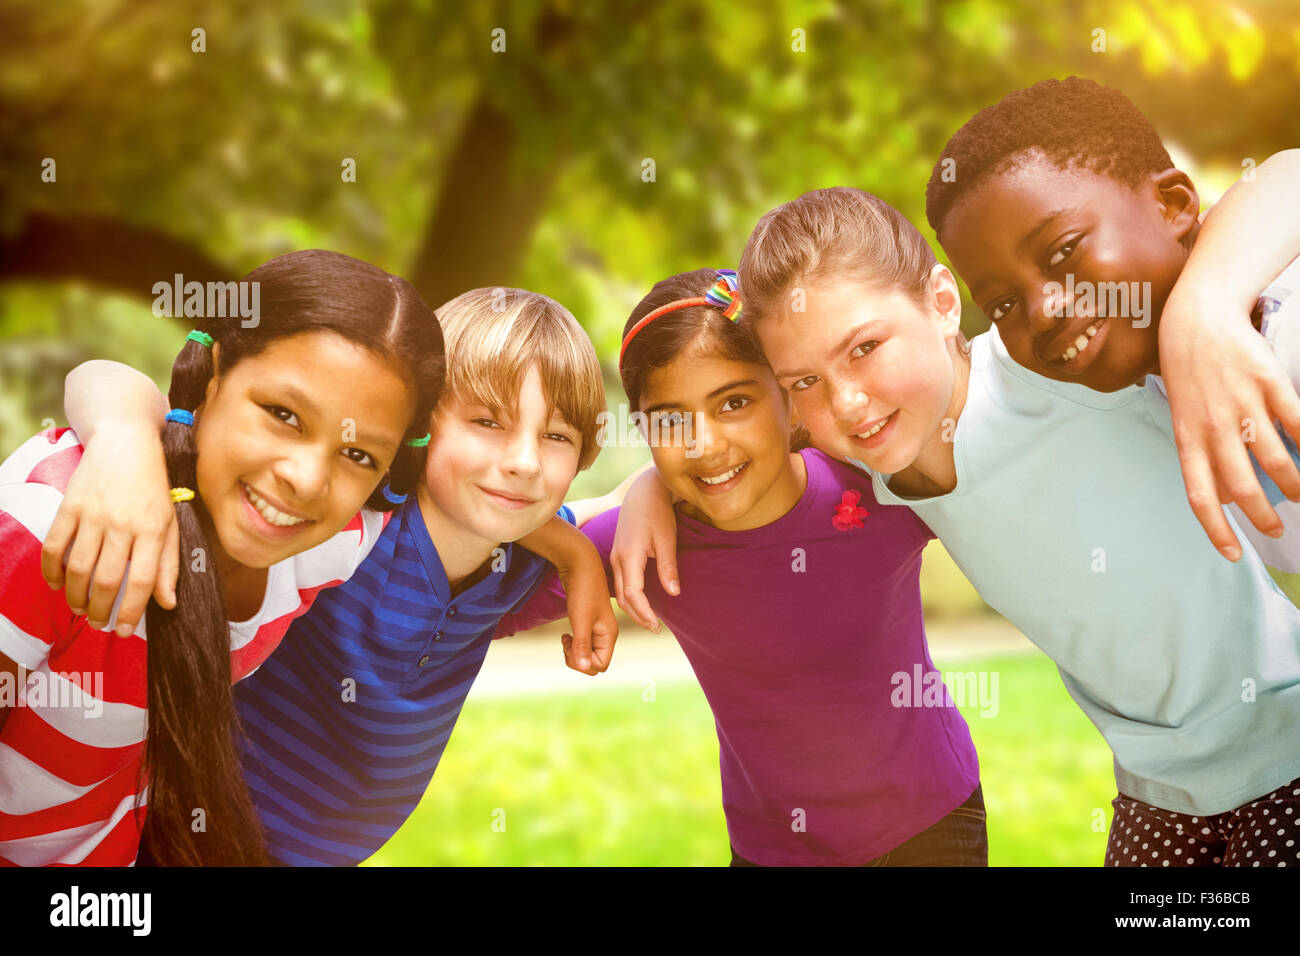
(267, 490)
(819, 767)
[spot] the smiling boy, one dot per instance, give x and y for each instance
(1071, 227)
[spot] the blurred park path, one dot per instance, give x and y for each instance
(534, 663)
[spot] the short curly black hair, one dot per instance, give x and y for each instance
(1075, 123)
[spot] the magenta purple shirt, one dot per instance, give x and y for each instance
(798, 632)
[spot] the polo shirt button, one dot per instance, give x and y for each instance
(424, 660)
(437, 636)
(451, 611)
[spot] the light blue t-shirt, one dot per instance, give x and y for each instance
(1071, 519)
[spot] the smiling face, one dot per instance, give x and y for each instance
(872, 373)
(279, 468)
(496, 475)
(1029, 235)
(730, 460)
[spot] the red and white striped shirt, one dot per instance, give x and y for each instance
(72, 741)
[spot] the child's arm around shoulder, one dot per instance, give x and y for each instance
(548, 601)
(583, 580)
(582, 573)
(116, 508)
(647, 528)
(1244, 242)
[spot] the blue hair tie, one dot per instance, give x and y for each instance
(180, 416)
(395, 499)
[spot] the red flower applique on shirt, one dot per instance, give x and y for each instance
(848, 514)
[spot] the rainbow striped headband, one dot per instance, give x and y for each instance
(724, 295)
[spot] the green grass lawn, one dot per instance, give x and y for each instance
(605, 778)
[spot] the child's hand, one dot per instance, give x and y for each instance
(1226, 388)
(591, 645)
(647, 528)
(117, 509)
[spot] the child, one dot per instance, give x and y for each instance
(803, 616)
(1063, 506)
(263, 520)
(1070, 225)
(346, 723)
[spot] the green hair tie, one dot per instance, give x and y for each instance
(201, 337)
(418, 442)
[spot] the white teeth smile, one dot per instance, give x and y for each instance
(272, 515)
(1082, 341)
(875, 428)
(723, 477)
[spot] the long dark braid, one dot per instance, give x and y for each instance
(191, 751)
(191, 709)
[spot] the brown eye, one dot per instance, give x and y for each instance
(363, 458)
(1062, 253)
(280, 413)
(1000, 309)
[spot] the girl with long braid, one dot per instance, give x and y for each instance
(278, 434)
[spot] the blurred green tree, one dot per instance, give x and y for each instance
(513, 142)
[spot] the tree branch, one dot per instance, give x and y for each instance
(109, 253)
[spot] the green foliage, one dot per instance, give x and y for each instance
(45, 333)
(238, 149)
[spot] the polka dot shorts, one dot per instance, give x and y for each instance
(1263, 833)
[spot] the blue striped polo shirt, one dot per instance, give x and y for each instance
(346, 722)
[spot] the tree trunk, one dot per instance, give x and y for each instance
(485, 212)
